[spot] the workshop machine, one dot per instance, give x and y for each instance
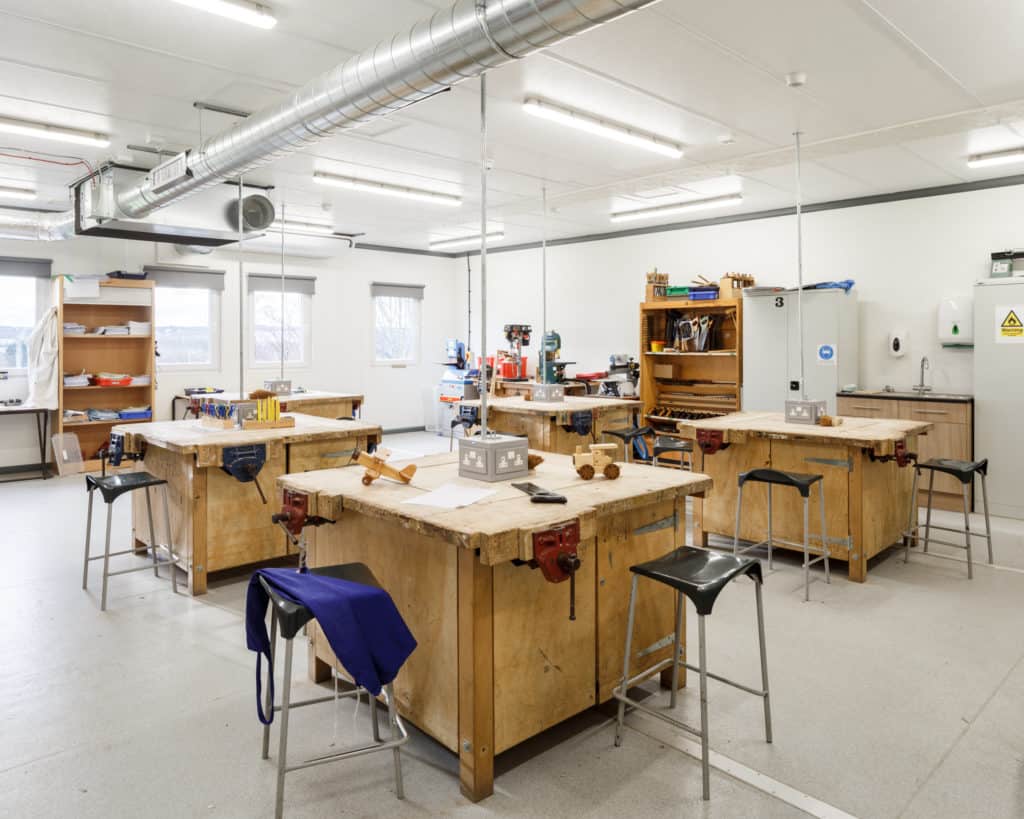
(514, 366)
(551, 369)
(459, 383)
(622, 378)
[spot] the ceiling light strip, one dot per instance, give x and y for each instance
(593, 124)
(291, 226)
(677, 207)
(385, 189)
(990, 158)
(12, 192)
(57, 133)
(242, 11)
(465, 241)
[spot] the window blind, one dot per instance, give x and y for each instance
(183, 275)
(403, 291)
(33, 268)
(292, 284)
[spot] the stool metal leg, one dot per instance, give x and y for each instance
(676, 649)
(807, 550)
(704, 751)
(912, 524)
(824, 529)
(106, 559)
(395, 734)
(739, 512)
(988, 523)
(374, 725)
(152, 533)
(769, 527)
(282, 754)
(170, 541)
(967, 531)
(625, 660)
(928, 512)
(268, 702)
(88, 539)
(764, 663)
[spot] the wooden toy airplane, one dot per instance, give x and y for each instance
(377, 466)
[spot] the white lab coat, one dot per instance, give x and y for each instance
(42, 363)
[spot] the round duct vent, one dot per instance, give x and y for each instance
(257, 212)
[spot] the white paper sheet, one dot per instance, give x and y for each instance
(451, 496)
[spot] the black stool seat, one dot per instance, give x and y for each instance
(698, 573)
(664, 444)
(963, 471)
(293, 616)
(629, 434)
(113, 486)
(799, 481)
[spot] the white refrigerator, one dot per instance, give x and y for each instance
(771, 347)
(999, 391)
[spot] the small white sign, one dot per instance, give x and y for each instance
(1010, 324)
(827, 354)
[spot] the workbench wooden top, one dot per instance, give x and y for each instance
(501, 526)
(873, 433)
(307, 397)
(187, 437)
(571, 403)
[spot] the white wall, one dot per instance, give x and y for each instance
(341, 342)
(905, 256)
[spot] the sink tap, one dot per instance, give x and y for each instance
(925, 365)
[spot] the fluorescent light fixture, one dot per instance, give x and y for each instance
(290, 226)
(55, 132)
(243, 11)
(677, 207)
(595, 125)
(465, 241)
(14, 192)
(383, 188)
(996, 158)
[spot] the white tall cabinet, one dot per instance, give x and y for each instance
(771, 347)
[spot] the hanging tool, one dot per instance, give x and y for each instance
(539, 494)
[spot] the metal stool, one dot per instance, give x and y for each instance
(802, 483)
(292, 618)
(111, 486)
(663, 444)
(963, 471)
(700, 575)
(628, 436)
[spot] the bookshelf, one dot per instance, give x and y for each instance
(119, 302)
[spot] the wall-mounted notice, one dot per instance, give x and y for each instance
(1010, 324)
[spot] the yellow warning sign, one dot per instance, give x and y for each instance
(1011, 326)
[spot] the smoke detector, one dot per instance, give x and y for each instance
(796, 79)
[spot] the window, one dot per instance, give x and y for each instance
(187, 327)
(17, 318)
(268, 332)
(396, 323)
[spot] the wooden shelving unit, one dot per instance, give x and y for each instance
(692, 384)
(120, 301)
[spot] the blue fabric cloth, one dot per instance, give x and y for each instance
(361, 624)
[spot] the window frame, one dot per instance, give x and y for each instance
(398, 363)
(42, 303)
(307, 334)
(216, 307)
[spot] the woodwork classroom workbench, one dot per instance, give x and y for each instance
(312, 402)
(867, 500)
(508, 389)
(218, 521)
(498, 659)
(547, 424)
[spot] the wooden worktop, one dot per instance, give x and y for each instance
(188, 437)
(879, 434)
(502, 525)
(571, 403)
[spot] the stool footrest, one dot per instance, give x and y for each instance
(352, 752)
(654, 712)
(974, 532)
(146, 568)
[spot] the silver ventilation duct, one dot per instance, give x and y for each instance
(455, 44)
(36, 225)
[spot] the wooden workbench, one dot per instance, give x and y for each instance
(312, 402)
(867, 494)
(509, 389)
(547, 424)
(498, 660)
(219, 522)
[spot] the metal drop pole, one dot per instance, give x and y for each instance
(483, 255)
(469, 310)
(282, 288)
(543, 281)
(241, 297)
(800, 267)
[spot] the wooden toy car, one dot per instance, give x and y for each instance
(600, 456)
(377, 466)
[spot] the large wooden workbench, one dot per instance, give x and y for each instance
(219, 522)
(498, 660)
(548, 424)
(867, 492)
(312, 402)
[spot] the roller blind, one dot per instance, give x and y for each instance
(34, 268)
(402, 291)
(292, 284)
(184, 275)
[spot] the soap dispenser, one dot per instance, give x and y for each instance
(956, 323)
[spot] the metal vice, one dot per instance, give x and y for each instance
(556, 554)
(293, 518)
(243, 463)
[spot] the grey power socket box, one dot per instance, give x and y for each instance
(548, 393)
(805, 412)
(494, 458)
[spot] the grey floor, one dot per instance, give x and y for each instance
(901, 697)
